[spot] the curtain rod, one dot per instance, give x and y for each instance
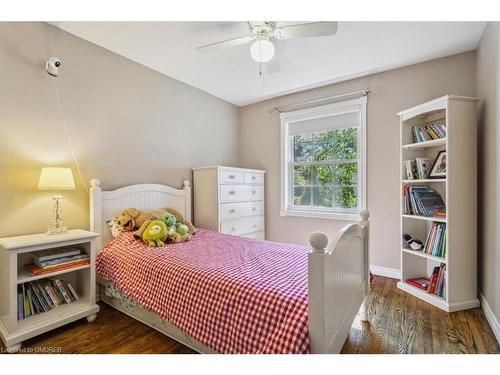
(282, 109)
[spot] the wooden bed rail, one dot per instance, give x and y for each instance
(339, 281)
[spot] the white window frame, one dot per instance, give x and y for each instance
(349, 106)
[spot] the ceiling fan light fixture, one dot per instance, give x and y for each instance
(262, 50)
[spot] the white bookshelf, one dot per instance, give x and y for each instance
(459, 193)
(15, 254)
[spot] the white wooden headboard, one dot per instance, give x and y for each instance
(105, 205)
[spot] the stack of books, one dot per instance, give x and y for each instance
(429, 132)
(53, 260)
(437, 282)
(418, 168)
(36, 297)
(422, 201)
(436, 240)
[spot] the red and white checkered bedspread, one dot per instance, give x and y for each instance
(233, 294)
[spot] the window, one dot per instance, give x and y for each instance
(323, 160)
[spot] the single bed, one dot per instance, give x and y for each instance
(226, 294)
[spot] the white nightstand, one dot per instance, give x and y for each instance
(14, 255)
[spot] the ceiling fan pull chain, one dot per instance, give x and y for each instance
(262, 75)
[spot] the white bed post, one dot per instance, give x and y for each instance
(187, 199)
(95, 196)
(316, 283)
(338, 284)
(364, 224)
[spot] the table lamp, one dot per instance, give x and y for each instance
(56, 179)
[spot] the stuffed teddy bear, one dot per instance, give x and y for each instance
(133, 219)
(155, 234)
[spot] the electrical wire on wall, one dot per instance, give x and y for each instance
(52, 68)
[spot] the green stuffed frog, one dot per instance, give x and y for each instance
(169, 219)
(155, 234)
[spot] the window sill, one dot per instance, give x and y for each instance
(322, 215)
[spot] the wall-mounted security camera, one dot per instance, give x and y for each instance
(52, 66)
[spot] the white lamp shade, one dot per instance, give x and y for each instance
(262, 50)
(53, 178)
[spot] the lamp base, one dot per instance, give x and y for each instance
(57, 230)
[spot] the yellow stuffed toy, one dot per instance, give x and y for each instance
(155, 234)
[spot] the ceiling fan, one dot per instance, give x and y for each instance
(261, 34)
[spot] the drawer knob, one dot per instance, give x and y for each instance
(255, 225)
(233, 229)
(253, 192)
(254, 209)
(231, 176)
(232, 211)
(253, 177)
(232, 192)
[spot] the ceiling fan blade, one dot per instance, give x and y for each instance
(306, 30)
(272, 66)
(224, 44)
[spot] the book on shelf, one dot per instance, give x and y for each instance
(20, 303)
(62, 290)
(421, 201)
(424, 166)
(433, 281)
(419, 282)
(36, 297)
(428, 133)
(59, 261)
(437, 284)
(73, 292)
(436, 240)
(418, 169)
(35, 270)
(45, 255)
(26, 307)
(411, 169)
(440, 214)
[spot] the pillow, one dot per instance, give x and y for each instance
(114, 227)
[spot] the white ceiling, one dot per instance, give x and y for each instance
(358, 48)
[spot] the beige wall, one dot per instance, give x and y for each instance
(128, 124)
(488, 87)
(259, 146)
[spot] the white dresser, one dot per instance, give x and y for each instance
(229, 200)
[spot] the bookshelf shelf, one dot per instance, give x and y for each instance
(24, 276)
(425, 218)
(424, 181)
(60, 312)
(423, 255)
(422, 294)
(419, 145)
(456, 115)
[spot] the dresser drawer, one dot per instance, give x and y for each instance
(255, 236)
(254, 178)
(231, 177)
(243, 225)
(241, 209)
(240, 193)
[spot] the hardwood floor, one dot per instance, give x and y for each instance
(399, 323)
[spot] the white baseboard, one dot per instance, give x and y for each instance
(490, 316)
(393, 273)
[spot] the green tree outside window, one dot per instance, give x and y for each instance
(328, 175)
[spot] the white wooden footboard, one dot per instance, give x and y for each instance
(338, 284)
